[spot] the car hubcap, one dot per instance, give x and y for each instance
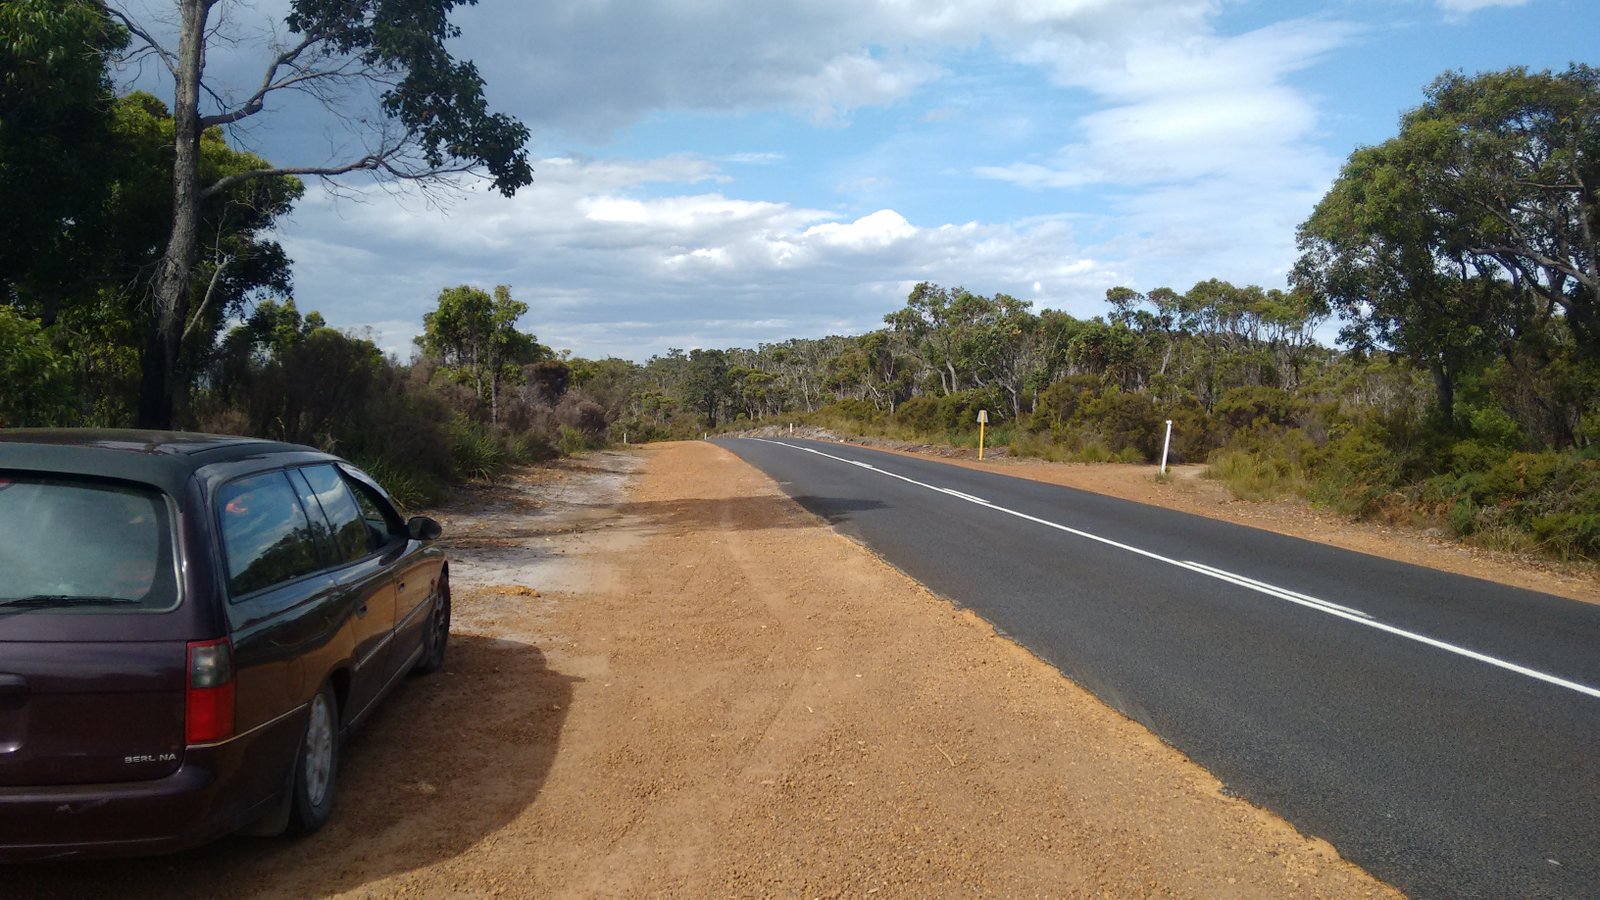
(319, 750)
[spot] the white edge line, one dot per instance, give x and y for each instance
(1322, 606)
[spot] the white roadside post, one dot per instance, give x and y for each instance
(983, 420)
(791, 429)
(1165, 446)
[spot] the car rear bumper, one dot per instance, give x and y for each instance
(218, 790)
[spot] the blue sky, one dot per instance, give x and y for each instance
(717, 173)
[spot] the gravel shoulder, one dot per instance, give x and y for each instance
(667, 678)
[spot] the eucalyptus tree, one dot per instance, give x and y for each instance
(1509, 164)
(475, 337)
(706, 384)
(930, 322)
(1378, 251)
(430, 120)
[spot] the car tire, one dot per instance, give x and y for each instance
(436, 637)
(317, 765)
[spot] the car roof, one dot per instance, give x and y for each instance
(164, 458)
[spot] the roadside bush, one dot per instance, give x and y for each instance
(1354, 473)
(1267, 470)
(1127, 423)
(1194, 434)
(1060, 403)
(1259, 408)
(920, 414)
(584, 417)
(853, 411)
(959, 411)
(953, 413)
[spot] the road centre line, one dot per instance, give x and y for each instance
(967, 497)
(1265, 588)
(1322, 606)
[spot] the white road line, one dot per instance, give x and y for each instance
(1274, 590)
(967, 497)
(1308, 602)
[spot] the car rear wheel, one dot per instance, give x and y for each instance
(318, 765)
(437, 636)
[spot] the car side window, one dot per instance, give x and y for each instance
(320, 530)
(266, 536)
(382, 521)
(351, 537)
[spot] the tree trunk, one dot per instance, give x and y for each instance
(159, 384)
(494, 389)
(1444, 386)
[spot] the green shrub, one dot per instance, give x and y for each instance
(1060, 403)
(408, 488)
(1260, 474)
(35, 380)
(1474, 455)
(477, 452)
(1126, 422)
(1464, 517)
(920, 414)
(1256, 407)
(854, 410)
(1569, 535)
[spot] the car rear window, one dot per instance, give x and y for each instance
(70, 545)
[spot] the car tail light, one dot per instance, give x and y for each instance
(208, 697)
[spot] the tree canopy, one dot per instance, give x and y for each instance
(474, 337)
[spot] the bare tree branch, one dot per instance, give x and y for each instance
(389, 161)
(211, 289)
(166, 56)
(269, 84)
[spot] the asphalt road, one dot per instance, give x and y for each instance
(1441, 731)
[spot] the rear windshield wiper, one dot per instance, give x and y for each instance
(44, 600)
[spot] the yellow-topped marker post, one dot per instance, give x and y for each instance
(983, 419)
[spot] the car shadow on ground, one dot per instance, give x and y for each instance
(446, 761)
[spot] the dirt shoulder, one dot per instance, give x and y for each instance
(769, 709)
(1187, 492)
(696, 688)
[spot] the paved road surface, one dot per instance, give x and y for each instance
(1441, 731)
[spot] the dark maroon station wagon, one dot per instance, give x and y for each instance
(189, 626)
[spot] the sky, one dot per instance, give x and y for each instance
(727, 173)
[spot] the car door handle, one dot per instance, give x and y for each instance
(11, 685)
(361, 611)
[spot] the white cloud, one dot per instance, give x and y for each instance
(1211, 106)
(873, 232)
(608, 269)
(1209, 154)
